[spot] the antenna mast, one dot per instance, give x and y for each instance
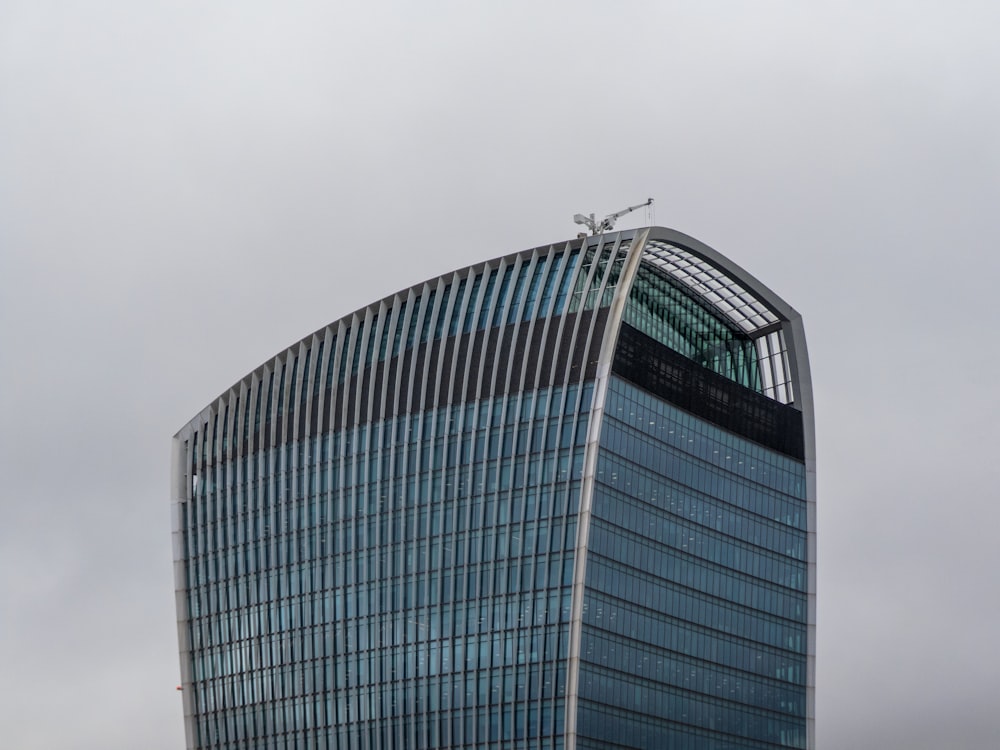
(608, 222)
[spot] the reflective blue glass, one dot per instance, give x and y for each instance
(457, 519)
(694, 631)
(394, 578)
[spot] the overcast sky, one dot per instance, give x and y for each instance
(188, 187)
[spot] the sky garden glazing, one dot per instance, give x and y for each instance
(562, 499)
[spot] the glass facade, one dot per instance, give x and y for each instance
(414, 570)
(661, 309)
(379, 533)
(694, 618)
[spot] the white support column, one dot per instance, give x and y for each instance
(605, 359)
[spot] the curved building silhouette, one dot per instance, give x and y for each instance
(564, 499)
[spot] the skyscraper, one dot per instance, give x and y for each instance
(561, 499)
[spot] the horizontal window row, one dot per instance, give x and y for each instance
(745, 584)
(388, 546)
(341, 483)
(461, 667)
(670, 508)
(377, 511)
(435, 454)
(397, 475)
(649, 482)
(679, 632)
(498, 420)
(526, 476)
(642, 660)
(470, 586)
(639, 696)
(650, 414)
(604, 727)
(473, 479)
(247, 675)
(480, 556)
(551, 493)
(300, 621)
(693, 472)
(686, 603)
(621, 438)
(345, 720)
(658, 420)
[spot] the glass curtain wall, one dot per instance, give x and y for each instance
(694, 633)
(378, 547)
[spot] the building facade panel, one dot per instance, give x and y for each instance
(694, 630)
(446, 521)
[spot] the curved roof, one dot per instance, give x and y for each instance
(711, 284)
(743, 300)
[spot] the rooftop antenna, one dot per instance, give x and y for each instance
(608, 222)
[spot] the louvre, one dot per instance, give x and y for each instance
(563, 499)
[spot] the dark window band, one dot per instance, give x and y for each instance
(665, 373)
